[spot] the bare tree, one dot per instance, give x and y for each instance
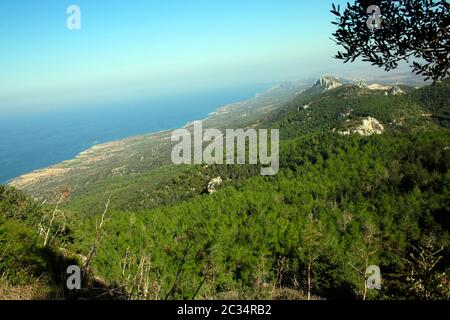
(365, 252)
(424, 279)
(137, 277)
(98, 237)
(311, 249)
(180, 271)
(55, 212)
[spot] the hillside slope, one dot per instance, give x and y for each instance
(340, 202)
(337, 200)
(140, 155)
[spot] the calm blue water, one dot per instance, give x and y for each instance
(34, 141)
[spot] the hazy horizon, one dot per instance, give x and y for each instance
(147, 48)
(57, 84)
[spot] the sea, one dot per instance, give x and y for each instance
(30, 141)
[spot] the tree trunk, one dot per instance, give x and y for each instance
(365, 276)
(52, 219)
(309, 281)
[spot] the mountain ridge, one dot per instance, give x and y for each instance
(336, 196)
(140, 154)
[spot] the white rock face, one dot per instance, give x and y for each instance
(306, 106)
(213, 184)
(328, 83)
(395, 91)
(388, 90)
(361, 85)
(368, 127)
(376, 86)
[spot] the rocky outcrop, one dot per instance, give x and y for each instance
(388, 90)
(213, 185)
(327, 83)
(377, 86)
(303, 107)
(394, 91)
(369, 126)
(361, 85)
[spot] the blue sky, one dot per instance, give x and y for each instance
(137, 48)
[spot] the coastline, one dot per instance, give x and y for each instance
(143, 153)
(95, 152)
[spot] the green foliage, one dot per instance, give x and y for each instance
(164, 186)
(334, 108)
(215, 244)
(414, 30)
(20, 258)
(23, 258)
(338, 204)
(435, 100)
(15, 205)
